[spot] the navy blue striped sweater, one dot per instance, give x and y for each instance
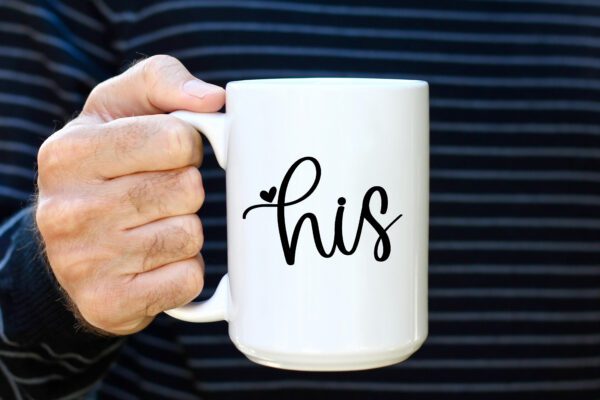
(515, 189)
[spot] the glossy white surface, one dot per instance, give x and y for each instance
(347, 311)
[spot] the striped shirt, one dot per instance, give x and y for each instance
(515, 189)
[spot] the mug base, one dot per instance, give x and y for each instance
(346, 362)
(352, 366)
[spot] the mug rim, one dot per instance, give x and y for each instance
(331, 82)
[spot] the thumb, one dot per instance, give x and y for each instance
(158, 84)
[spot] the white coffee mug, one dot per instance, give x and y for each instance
(327, 221)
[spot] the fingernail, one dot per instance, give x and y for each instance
(200, 89)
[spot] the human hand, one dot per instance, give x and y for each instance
(119, 189)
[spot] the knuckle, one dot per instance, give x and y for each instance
(45, 214)
(52, 156)
(99, 100)
(57, 215)
(58, 154)
(97, 91)
(180, 290)
(178, 141)
(47, 155)
(194, 279)
(195, 236)
(156, 66)
(193, 187)
(180, 241)
(155, 300)
(186, 238)
(158, 298)
(151, 301)
(170, 122)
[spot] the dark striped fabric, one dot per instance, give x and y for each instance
(515, 180)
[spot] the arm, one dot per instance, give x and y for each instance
(117, 200)
(42, 352)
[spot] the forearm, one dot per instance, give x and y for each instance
(44, 352)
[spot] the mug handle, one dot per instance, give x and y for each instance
(215, 127)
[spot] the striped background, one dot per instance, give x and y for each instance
(515, 175)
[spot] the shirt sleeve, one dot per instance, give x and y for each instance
(51, 55)
(43, 354)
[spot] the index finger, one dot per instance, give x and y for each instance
(144, 144)
(121, 147)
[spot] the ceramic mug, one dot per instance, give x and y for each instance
(327, 221)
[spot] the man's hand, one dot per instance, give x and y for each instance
(118, 191)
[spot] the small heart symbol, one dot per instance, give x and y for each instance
(268, 196)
